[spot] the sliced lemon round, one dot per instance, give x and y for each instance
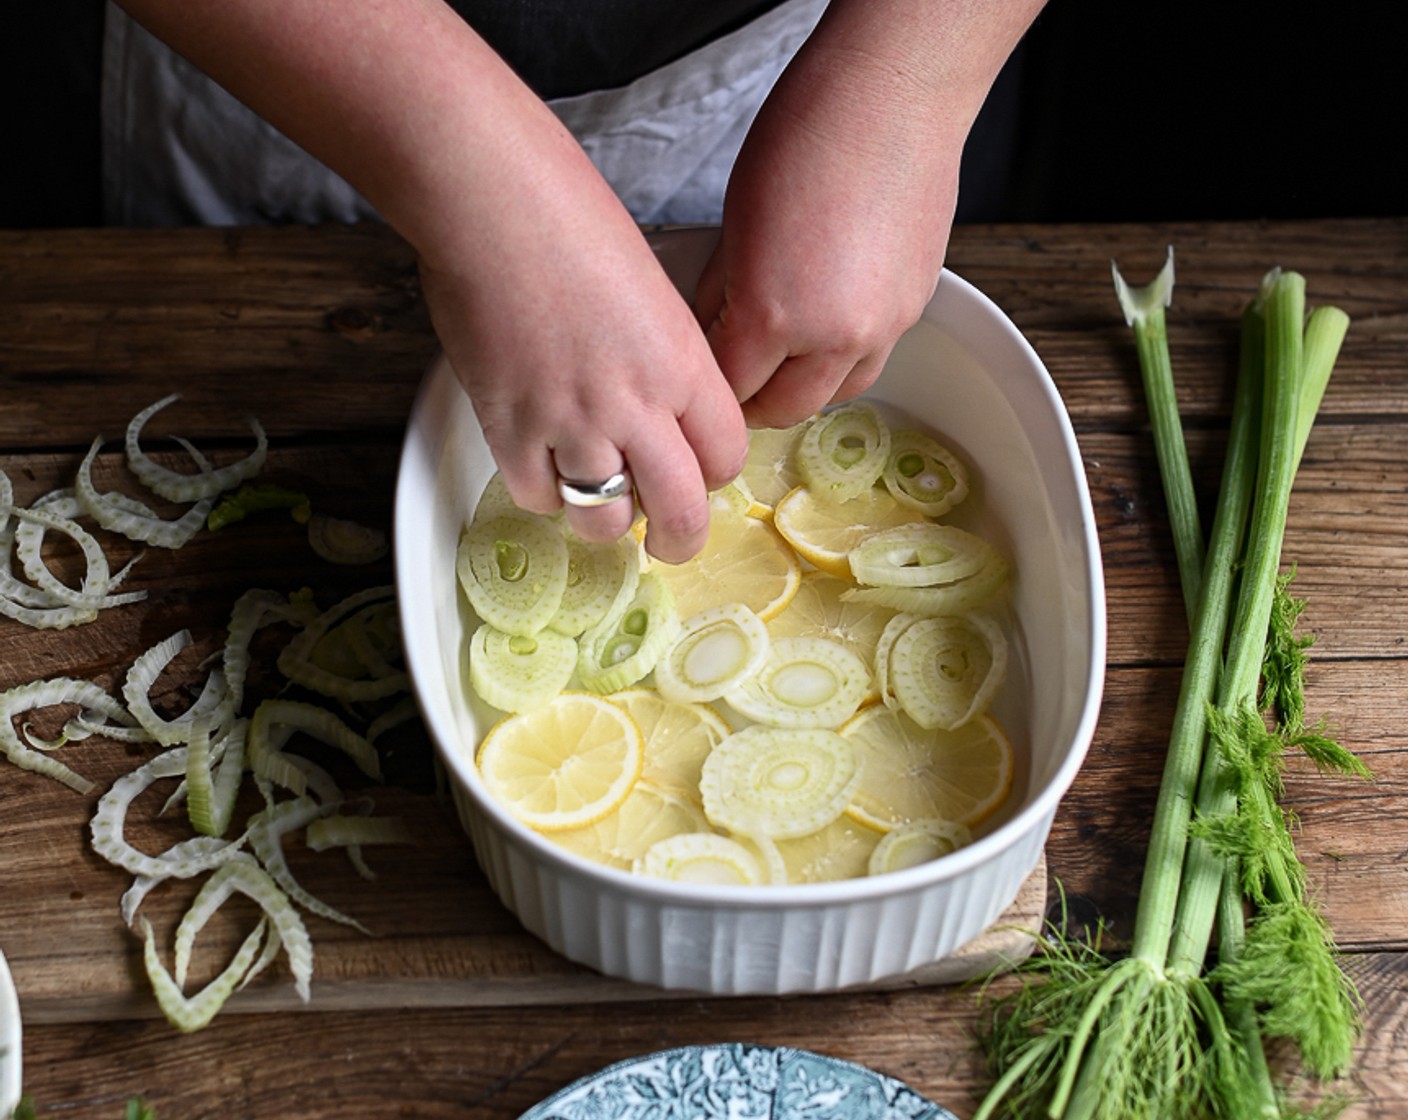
(743, 561)
(917, 842)
(824, 532)
(909, 774)
(778, 783)
(678, 738)
(839, 850)
(771, 468)
(563, 765)
(648, 815)
(705, 858)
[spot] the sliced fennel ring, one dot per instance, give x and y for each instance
(943, 671)
(515, 673)
(842, 453)
(923, 474)
(627, 644)
(778, 783)
(924, 554)
(178, 487)
(715, 651)
(598, 574)
(703, 858)
(803, 682)
(916, 842)
(513, 568)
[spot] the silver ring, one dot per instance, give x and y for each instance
(587, 495)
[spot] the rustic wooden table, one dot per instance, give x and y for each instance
(451, 1010)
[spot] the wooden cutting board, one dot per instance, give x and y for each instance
(438, 936)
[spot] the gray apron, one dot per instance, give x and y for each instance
(179, 150)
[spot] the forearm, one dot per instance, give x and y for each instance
(400, 97)
(909, 69)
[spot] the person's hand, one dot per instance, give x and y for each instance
(581, 359)
(840, 205)
(578, 354)
(827, 255)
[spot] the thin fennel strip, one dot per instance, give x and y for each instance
(177, 487)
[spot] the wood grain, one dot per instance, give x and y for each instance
(322, 334)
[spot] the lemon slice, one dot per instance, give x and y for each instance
(778, 783)
(843, 452)
(563, 765)
(514, 673)
(839, 850)
(824, 532)
(923, 474)
(678, 738)
(909, 774)
(818, 611)
(648, 815)
(771, 468)
(705, 858)
(743, 561)
(917, 842)
(513, 568)
(803, 682)
(716, 649)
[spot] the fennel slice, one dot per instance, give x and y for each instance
(778, 783)
(107, 825)
(803, 682)
(267, 759)
(625, 646)
(715, 650)
(703, 858)
(340, 541)
(977, 590)
(300, 660)
(177, 487)
(943, 671)
(598, 573)
(843, 452)
(513, 569)
(244, 876)
(916, 842)
(923, 474)
(134, 519)
(515, 673)
(925, 554)
(191, 1013)
(267, 829)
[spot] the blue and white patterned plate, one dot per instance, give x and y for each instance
(736, 1081)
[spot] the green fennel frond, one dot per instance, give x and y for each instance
(1327, 754)
(1288, 968)
(1284, 662)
